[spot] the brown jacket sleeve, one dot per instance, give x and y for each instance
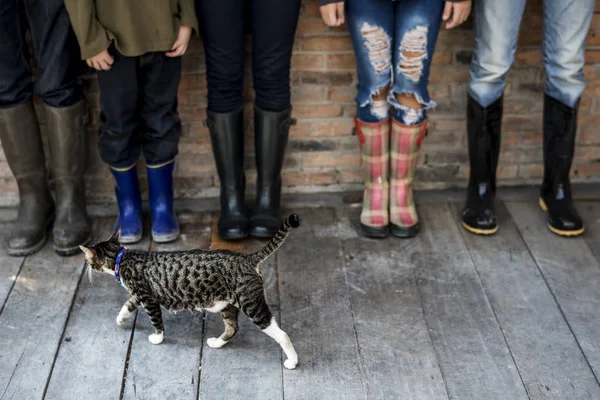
(187, 14)
(93, 38)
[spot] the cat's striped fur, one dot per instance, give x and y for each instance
(216, 280)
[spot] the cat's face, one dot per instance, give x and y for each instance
(101, 256)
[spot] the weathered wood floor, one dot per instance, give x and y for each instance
(447, 315)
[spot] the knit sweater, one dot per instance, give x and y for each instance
(135, 27)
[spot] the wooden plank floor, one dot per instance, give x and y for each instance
(446, 315)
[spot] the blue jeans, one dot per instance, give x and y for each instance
(55, 52)
(566, 24)
(394, 44)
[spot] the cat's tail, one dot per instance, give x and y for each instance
(291, 222)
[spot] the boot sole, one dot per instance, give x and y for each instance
(375, 232)
(168, 238)
(405, 233)
(36, 247)
(131, 239)
(71, 251)
(28, 251)
(554, 230)
(478, 231)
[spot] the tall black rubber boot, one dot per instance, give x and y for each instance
(484, 135)
(227, 136)
(560, 127)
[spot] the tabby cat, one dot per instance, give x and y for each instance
(216, 280)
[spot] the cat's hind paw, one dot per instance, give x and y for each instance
(290, 364)
(156, 338)
(215, 343)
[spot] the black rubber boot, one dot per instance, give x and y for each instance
(22, 143)
(66, 139)
(271, 132)
(483, 130)
(560, 127)
(227, 136)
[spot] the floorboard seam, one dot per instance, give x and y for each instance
(128, 355)
(62, 335)
(493, 311)
(13, 284)
(554, 297)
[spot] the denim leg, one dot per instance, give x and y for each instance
(159, 78)
(273, 27)
(223, 35)
(15, 76)
(496, 33)
(566, 24)
(415, 35)
(56, 53)
(371, 25)
(119, 121)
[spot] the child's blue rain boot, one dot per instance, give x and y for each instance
(127, 190)
(165, 227)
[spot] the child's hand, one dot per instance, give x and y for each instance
(181, 44)
(333, 14)
(458, 10)
(101, 62)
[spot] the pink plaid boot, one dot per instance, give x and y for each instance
(374, 145)
(405, 146)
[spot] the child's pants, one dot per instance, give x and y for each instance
(138, 96)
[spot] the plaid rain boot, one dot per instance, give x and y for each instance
(374, 145)
(405, 146)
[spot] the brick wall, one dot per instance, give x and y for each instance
(322, 153)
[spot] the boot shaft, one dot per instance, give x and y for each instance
(374, 139)
(405, 144)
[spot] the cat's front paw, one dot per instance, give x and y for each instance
(215, 343)
(290, 364)
(123, 317)
(156, 338)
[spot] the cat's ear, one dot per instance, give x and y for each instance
(115, 236)
(90, 253)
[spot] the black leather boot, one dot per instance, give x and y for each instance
(483, 130)
(66, 139)
(22, 143)
(560, 126)
(227, 136)
(271, 131)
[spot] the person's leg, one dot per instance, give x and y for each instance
(57, 57)
(158, 81)
(273, 28)
(565, 30)
(119, 141)
(371, 25)
(416, 31)
(20, 136)
(222, 30)
(496, 33)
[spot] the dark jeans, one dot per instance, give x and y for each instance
(223, 32)
(55, 52)
(138, 96)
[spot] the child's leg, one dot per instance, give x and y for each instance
(417, 28)
(119, 139)
(371, 24)
(159, 78)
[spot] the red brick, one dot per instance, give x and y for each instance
(441, 57)
(351, 176)
(591, 170)
(592, 56)
(311, 26)
(529, 56)
(297, 178)
(327, 43)
(342, 94)
(341, 61)
(332, 127)
(311, 8)
(331, 160)
(307, 61)
(528, 171)
(449, 74)
(317, 110)
(309, 93)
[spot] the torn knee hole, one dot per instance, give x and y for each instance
(379, 102)
(378, 44)
(413, 52)
(409, 100)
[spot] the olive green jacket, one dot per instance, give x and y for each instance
(135, 27)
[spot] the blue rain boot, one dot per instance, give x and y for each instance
(127, 191)
(165, 227)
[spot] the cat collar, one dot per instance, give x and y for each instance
(118, 264)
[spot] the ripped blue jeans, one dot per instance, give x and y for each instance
(394, 43)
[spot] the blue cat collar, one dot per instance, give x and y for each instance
(118, 264)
